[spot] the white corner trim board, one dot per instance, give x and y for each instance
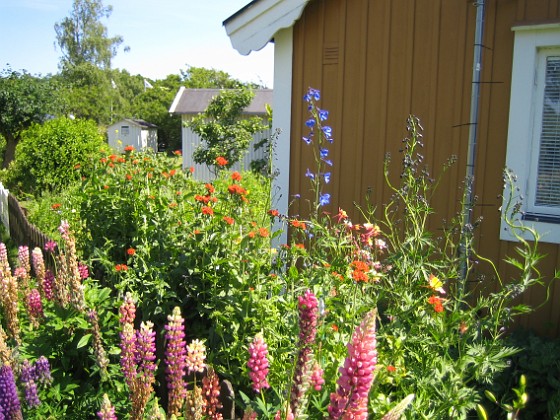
(254, 26)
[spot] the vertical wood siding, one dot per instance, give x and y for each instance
(378, 61)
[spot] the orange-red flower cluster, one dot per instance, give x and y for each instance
(121, 267)
(129, 148)
(229, 220)
(236, 176)
(207, 210)
(299, 225)
(274, 212)
(56, 206)
(221, 161)
(359, 271)
(436, 302)
(131, 251)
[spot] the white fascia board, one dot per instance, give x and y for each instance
(252, 29)
(176, 100)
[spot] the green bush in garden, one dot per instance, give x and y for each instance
(165, 251)
(53, 155)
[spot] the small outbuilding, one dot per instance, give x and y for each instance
(188, 103)
(133, 132)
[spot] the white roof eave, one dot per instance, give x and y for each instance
(255, 26)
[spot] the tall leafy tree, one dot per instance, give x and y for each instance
(25, 99)
(83, 38)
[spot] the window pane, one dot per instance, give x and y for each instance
(548, 182)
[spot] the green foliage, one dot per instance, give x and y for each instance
(24, 100)
(53, 155)
(82, 37)
(222, 130)
(202, 78)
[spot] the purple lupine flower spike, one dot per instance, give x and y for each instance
(107, 411)
(10, 406)
(27, 378)
(175, 361)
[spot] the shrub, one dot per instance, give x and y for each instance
(53, 155)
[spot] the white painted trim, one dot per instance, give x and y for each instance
(255, 26)
(282, 119)
(528, 42)
(176, 100)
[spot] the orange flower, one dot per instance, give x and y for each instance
(177, 153)
(298, 224)
(263, 232)
(121, 160)
(359, 275)
(341, 215)
(334, 327)
(172, 205)
(236, 176)
(121, 267)
(274, 213)
(128, 177)
(360, 265)
(106, 187)
(210, 188)
(236, 189)
(221, 161)
(77, 166)
(191, 169)
(436, 302)
(251, 234)
(300, 246)
(229, 220)
(131, 251)
(172, 172)
(56, 206)
(391, 368)
(207, 210)
(129, 148)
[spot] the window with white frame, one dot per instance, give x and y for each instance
(125, 130)
(533, 149)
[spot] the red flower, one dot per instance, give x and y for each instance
(359, 275)
(207, 210)
(236, 176)
(274, 213)
(251, 234)
(236, 189)
(391, 368)
(172, 172)
(121, 267)
(191, 169)
(221, 161)
(131, 251)
(210, 188)
(229, 220)
(106, 187)
(129, 148)
(300, 246)
(177, 153)
(56, 206)
(128, 177)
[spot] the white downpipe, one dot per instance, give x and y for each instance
(473, 131)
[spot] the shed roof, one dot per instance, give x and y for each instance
(194, 101)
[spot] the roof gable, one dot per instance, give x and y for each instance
(253, 26)
(195, 101)
(137, 122)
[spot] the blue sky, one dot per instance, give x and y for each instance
(164, 37)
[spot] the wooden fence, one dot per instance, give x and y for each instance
(21, 231)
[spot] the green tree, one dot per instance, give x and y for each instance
(222, 130)
(24, 100)
(82, 37)
(202, 78)
(55, 154)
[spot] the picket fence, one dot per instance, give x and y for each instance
(20, 230)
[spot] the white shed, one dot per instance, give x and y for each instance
(190, 102)
(132, 132)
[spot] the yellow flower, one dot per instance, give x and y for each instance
(436, 284)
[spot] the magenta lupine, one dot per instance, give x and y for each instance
(107, 411)
(308, 311)
(175, 362)
(258, 363)
(196, 356)
(27, 378)
(34, 307)
(48, 285)
(84, 271)
(211, 392)
(50, 247)
(317, 380)
(356, 376)
(10, 406)
(289, 415)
